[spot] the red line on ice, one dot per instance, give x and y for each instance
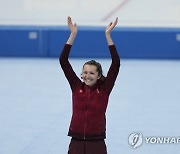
(118, 7)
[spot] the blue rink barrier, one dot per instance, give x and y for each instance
(44, 41)
(20, 41)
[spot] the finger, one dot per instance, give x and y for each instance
(109, 25)
(115, 22)
(69, 20)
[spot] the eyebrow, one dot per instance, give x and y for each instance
(90, 71)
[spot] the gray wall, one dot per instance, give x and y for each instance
(158, 13)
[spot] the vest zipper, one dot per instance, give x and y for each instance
(85, 125)
(86, 114)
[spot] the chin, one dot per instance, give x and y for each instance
(88, 84)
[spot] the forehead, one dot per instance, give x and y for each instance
(88, 67)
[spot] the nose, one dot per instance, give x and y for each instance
(87, 75)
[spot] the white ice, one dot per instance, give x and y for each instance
(35, 105)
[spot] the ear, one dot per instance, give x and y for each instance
(99, 76)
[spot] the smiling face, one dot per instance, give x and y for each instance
(90, 74)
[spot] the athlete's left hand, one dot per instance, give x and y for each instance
(111, 26)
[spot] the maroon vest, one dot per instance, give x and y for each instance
(89, 104)
(89, 107)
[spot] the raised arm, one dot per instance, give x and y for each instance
(63, 59)
(73, 29)
(109, 29)
(115, 65)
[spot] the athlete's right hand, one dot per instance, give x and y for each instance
(73, 27)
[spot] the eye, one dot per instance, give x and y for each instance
(85, 72)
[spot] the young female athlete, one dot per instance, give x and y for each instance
(90, 97)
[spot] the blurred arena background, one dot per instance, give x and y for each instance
(146, 29)
(35, 98)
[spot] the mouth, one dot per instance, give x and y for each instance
(88, 80)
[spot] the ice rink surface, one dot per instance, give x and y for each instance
(35, 98)
(35, 105)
